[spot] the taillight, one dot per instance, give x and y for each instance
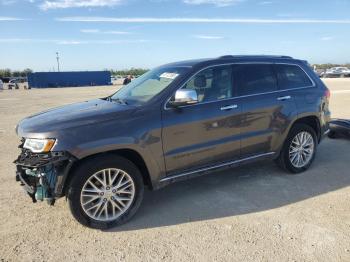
(327, 93)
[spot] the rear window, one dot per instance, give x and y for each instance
(255, 79)
(291, 76)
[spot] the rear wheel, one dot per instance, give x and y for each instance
(105, 192)
(299, 149)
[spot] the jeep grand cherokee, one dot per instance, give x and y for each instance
(175, 122)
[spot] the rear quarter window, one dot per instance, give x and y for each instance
(291, 76)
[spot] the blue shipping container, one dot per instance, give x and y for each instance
(69, 79)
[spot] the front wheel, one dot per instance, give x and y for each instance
(299, 149)
(105, 192)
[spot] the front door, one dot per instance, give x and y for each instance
(206, 133)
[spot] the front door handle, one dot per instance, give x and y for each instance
(283, 98)
(228, 107)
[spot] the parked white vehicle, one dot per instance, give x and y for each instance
(1, 85)
(339, 71)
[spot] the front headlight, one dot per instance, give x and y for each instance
(39, 145)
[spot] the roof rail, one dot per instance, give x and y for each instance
(226, 56)
(255, 56)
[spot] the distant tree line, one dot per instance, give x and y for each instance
(15, 73)
(326, 66)
(131, 71)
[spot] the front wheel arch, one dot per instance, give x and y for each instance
(85, 172)
(129, 154)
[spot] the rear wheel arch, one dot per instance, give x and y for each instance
(284, 158)
(311, 121)
(129, 154)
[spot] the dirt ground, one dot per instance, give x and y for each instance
(253, 213)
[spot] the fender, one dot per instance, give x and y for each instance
(146, 148)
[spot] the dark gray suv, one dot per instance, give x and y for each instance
(175, 122)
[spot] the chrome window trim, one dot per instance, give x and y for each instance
(216, 166)
(236, 97)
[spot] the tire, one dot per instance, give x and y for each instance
(284, 159)
(109, 168)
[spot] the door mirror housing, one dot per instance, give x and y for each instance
(184, 97)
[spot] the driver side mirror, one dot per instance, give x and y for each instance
(184, 97)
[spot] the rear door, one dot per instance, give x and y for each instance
(206, 133)
(293, 82)
(266, 112)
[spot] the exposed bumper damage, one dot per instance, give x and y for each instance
(339, 128)
(42, 175)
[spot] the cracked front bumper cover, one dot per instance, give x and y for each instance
(43, 175)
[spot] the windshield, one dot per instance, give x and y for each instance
(148, 85)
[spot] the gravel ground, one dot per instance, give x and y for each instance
(253, 213)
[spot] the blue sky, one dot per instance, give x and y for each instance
(99, 34)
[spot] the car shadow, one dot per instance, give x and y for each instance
(247, 189)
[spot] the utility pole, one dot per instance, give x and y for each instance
(58, 62)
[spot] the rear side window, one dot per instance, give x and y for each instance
(254, 79)
(291, 76)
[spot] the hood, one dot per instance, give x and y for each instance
(78, 114)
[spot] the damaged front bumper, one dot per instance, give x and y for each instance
(43, 175)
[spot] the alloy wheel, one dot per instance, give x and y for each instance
(301, 149)
(107, 194)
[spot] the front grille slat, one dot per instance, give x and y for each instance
(27, 158)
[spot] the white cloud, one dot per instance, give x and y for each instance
(5, 18)
(208, 37)
(101, 42)
(265, 3)
(327, 38)
(219, 3)
(7, 2)
(59, 4)
(200, 20)
(289, 15)
(116, 32)
(12, 2)
(97, 31)
(24, 40)
(90, 31)
(69, 42)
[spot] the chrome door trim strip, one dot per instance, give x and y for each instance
(215, 166)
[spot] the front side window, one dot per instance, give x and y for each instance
(147, 86)
(291, 76)
(212, 84)
(254, 79)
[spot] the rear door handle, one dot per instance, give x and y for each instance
(282, 98)
(228, 107)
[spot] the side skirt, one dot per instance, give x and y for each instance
(205, 170)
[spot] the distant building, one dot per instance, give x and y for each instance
(68, 79)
